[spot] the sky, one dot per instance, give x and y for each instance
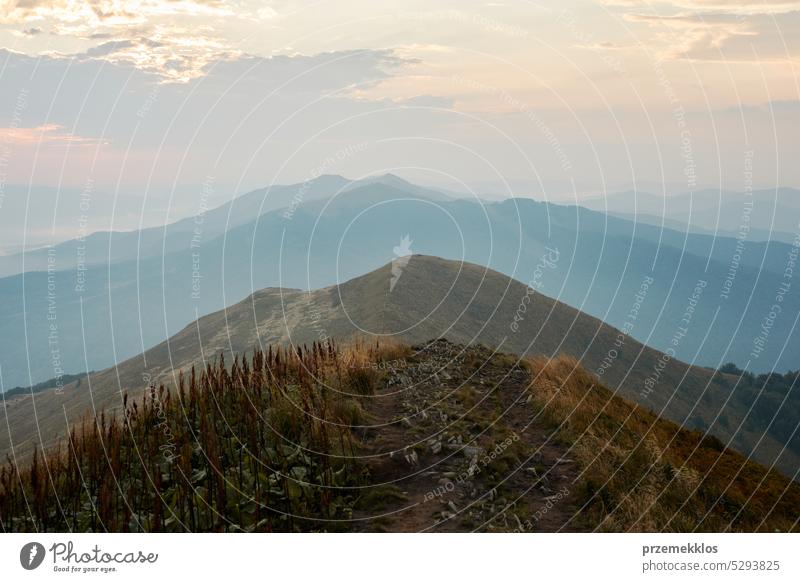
(151, 105)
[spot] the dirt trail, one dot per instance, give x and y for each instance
(456, 446)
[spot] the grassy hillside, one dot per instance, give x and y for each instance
(383, 437)
(640, 472)
(255, 445)
(121, 309)
(432, 297)
(52, 383)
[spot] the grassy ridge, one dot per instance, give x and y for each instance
(261, 445)
(272, 443)
(644, 473)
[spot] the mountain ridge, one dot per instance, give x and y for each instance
(438, 437)
(603, 262)
(431, 297)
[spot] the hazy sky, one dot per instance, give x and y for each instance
(145, 96)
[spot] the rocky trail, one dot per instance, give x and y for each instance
(455, 445)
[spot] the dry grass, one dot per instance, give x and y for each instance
(259, 445)
(642, 473)
(265, 444)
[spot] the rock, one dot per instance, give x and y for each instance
(470, 452)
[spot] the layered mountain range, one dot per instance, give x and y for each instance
(413, 299)
(101, 300)
(652, 312)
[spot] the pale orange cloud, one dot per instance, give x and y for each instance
(92, 13)
(725, 36)
(177, 54)
(175, 39)
(49, 133)
(739, 6)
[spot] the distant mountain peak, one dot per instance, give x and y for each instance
(328, 179)
(388, 179)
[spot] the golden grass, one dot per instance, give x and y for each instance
(643, 473)
(260, 445)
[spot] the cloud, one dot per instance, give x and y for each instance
(243, 119)
(100, 93)
(109, 48)
(28, 32)
(172, 38)
(266, 13)
(46, 134)
(177, 54)
(737, 6)
(725, 36)
(92, 13)
(775, 107)
(740, 6)
(441, 102)
(718, 30)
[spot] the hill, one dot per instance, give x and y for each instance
(52, 383)
(773, 215)
(430, 297)
(104, 247)
(123, 308)
(382, 437)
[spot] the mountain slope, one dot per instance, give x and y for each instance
(774, 214)
(430, 298)
(100, 248)
(440, 437)
(124, 308)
